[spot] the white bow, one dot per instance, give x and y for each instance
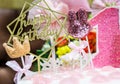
(20, 71)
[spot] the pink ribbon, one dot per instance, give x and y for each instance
(20, 71)
(80, 48)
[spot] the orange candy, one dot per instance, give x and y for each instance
(63, 43)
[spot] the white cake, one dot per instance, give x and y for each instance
(105, 75)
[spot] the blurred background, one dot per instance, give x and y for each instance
(12, 4)
(9, 10)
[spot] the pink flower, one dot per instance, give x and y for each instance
(62, 6)
(50, 24)
(75, 5)
(57, 6)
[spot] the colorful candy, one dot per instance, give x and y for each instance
(62, 43)
(62, 50)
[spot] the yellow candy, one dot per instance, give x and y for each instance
(62, 50)
(67, 49)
